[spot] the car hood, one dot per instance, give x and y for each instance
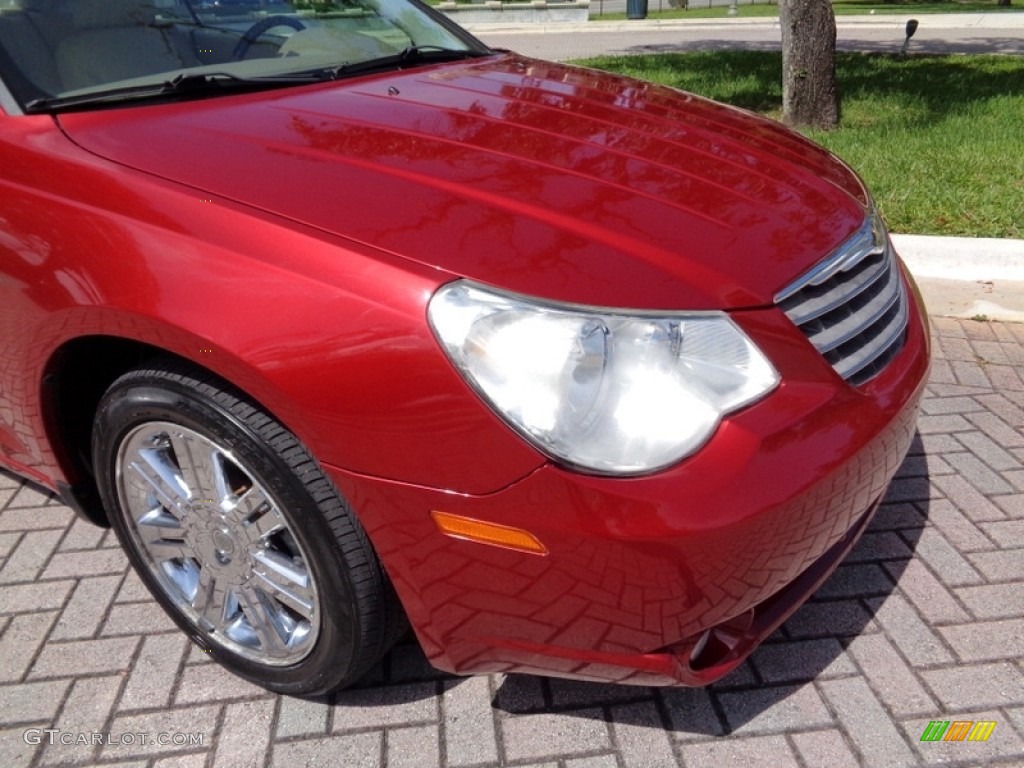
(540, 178)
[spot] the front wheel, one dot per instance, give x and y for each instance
(238, 534)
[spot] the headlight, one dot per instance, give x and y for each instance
(607, 391)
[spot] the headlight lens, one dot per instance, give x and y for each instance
(605, 391)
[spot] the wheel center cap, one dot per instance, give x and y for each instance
(224, 543)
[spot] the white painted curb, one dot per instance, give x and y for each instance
(962, 258)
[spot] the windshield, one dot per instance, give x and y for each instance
(51, 50)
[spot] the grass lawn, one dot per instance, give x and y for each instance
(660, 9)
(938, 139)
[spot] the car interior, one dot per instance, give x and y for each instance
(62, 46)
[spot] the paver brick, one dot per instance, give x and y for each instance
(547, 734)
(969, 373)
(942, 557)
(979, 685)
(132, 590)
(415, 747)
(1004, 565)
(1016, 715)
(388, 705)
(1011, 504)
(85, 712)
(978, 474)
(520, 693)
(82, 535)
(211, 682)
(824, 748)
(856, 581)
(1001, 433)
(910, 489)
(28, 496)
(773, 709)
(595, 761)
(1004, 377)
(194, 723)
(1004, 408)
(90, 563)
(86, 609)
(905, 628)
(942, 423)
(194, 760)
(1007, 533)
(928, 595)
(469, 729)
(155, 673)
(24, 635)
(31, 702)
(85, 657)
(640, 736)
(29, 557)
(35, 519)
(8, 541)
(302, 717)
(986, 640)
(879, 545)
(759, 750)
(136, 618)
(958, 529)
(993, 601)
(691, 714)
(829, 619)
(567, 693)
(34, 596)
(245, 734)
(893, 681)
(984, 449)
(935, 406)
(968, 499)
(794, 660)
(16, 752)
(866, 723)
(898, 516)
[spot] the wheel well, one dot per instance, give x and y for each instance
(76, 377)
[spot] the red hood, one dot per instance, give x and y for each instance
(540, 178)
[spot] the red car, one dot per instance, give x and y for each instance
(343, 320)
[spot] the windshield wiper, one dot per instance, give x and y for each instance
(196, 84)
(412, 55)
(207, 83)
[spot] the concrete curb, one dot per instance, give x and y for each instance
(967, 277)
(962, 258)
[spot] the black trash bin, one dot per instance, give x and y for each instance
(636, 9)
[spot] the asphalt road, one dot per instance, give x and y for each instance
(936, 34)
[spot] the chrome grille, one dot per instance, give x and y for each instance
(852, 306)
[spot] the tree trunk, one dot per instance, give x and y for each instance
(809, 93)
(1004, 2)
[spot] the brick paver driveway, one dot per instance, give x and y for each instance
(924, 621)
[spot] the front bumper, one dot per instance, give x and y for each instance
(672, 578)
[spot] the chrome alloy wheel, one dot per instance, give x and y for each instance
(217, 543)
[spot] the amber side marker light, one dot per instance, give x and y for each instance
(467, 528)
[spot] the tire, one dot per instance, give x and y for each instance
(239, 535)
